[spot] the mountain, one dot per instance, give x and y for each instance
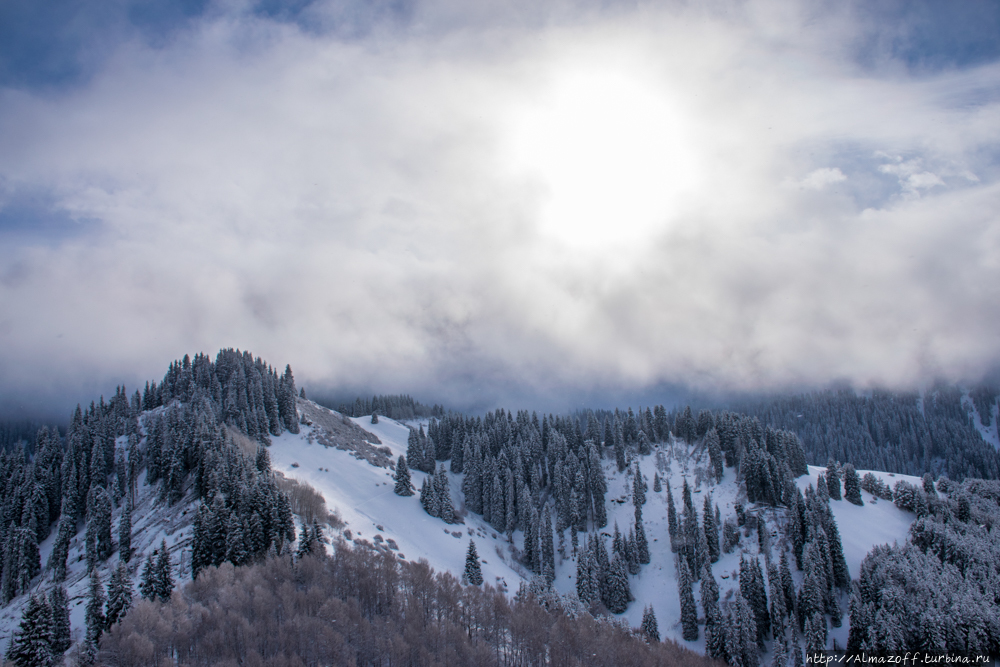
(363, 495)
(707, 531)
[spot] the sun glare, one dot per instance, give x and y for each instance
(608, 149)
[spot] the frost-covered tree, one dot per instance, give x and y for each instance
(852, 485)
(31, 645)
(473, 572)
(94, 617)
(715, 454)
(445, 507)
(147, 581)
(404, 485)
(833, 479)
(752, 590)
(125, 531)
(641, 542)
(119, 594)
(689, 612)
(711, 531)
(99, 526)
(618, 592)
(715, 640)
(638, 488)
(164, 585)
(61, 628)
(548, 548)
(649, 628)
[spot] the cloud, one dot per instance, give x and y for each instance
(480, 207)
(822, 177)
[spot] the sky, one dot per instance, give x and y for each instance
(516, 203)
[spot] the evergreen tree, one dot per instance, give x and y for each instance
(548, 548)
(31, 645)
(711, 531)
(427, 499)
(649, 627)
(125, 532)
(620, 449)
(99, 526)
(60, 548)
(374, 416)
(638, 488)
(641, 542)
(746, 627)
(815, 633)
(780, 658)
(404, 486)
(147, 584)
(61, 628)
(164, 573)
(715, 644)
(618, 592)
(778, 613)
(841, 575)
(715, 454)
(307, 542)
(95, 619)
(833, 479)
(445, 508)
(473, 573)
(644, 448)
(672, 521)
(752, 589)
(689, 612)
(657, 486)
(822, 489)
(414, 448)
(852, 485)
(787, 583)
(584, 577)
(286, 396)
(119, 594)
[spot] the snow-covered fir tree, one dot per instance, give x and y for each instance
(119, 594)
(648, 627)
(473, 572)
(31, 645)
(689, 612)
(404, 485)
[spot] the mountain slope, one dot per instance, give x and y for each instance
(363, 495)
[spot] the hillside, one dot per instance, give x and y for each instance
(708, 532)
(363, 495)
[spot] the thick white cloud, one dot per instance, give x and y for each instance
(477, 208)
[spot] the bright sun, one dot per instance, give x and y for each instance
(610, 152)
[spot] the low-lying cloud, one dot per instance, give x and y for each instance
(371, 209)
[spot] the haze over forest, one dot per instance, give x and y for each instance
(541, 205)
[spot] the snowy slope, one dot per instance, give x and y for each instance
(363, 495)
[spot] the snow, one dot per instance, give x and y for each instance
(863, 527)
(363, 496)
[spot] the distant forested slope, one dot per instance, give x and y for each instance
(896, 432)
